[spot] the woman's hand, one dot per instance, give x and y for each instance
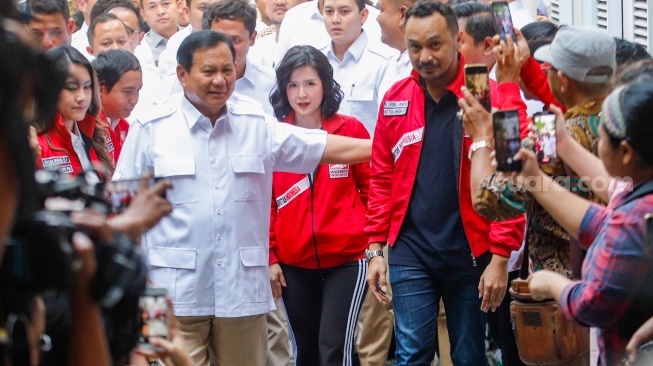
(277, 281)
(476, 120)
(642, 335)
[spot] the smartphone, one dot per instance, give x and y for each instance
(506, 140)
(545, 146)
(155, 316)
(121, 193)
(477, 81)
(503, 20)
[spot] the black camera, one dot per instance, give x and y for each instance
(40, 252)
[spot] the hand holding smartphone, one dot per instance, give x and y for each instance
(503, 20)
(506, 140)
(155, 317)
(477, 82)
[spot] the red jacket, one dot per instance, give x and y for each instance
(116, 137)
(318, 222)
(395, 156)
(537, 82)
(57, 146)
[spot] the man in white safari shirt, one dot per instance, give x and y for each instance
(219, 149)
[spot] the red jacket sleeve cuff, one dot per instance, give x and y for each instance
(273, 258)
(383, 239)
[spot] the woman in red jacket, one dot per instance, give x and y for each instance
(317, 244)
(74, 140)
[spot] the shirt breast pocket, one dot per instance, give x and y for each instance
(181, 171)
(249, 176)
(363, 99)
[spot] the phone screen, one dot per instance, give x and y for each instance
(154, 315)
(477, 81)
(545, 146)
(506, 140)
(503, 20)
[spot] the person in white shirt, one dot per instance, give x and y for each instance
(359, 66)
(304, 25)
(266, 50)
(237, 19)
(391, 21)
(162, 16)
(107, 32)
(220, 150)
(79, 39)
(168, 57)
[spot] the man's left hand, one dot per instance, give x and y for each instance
(493, 283)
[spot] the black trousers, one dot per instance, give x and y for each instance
(322, 306)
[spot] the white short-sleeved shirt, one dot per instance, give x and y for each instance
(361, 75)
(211, 252)
(304, 25)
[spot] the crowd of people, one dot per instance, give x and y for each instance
(314, 180)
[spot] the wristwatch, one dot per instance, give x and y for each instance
(477, 145)
(369, 254)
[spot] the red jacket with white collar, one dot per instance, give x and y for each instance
(57, 146)
(317, 222)
(116, 137)
(395, 156)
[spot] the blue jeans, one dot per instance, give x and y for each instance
(416, 294)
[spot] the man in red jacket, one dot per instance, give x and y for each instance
(121, 79)
(420, 201)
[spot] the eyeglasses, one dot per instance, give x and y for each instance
(130, 31)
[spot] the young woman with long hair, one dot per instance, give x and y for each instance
(317, 244)
(74, 140)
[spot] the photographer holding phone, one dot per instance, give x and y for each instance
(606, 296)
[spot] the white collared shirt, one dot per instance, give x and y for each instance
(265, 52)
(79, 41)
(211, 252)
(360, 75)
(168, 57)
(156, 42)
(144, 55)
(398, 68)
(80, 151)
(304, 25)
(256, 84)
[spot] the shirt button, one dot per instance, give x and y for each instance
(218, 238)
(220, 262)
(218, 211)
(216, 186)
(212, 160)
